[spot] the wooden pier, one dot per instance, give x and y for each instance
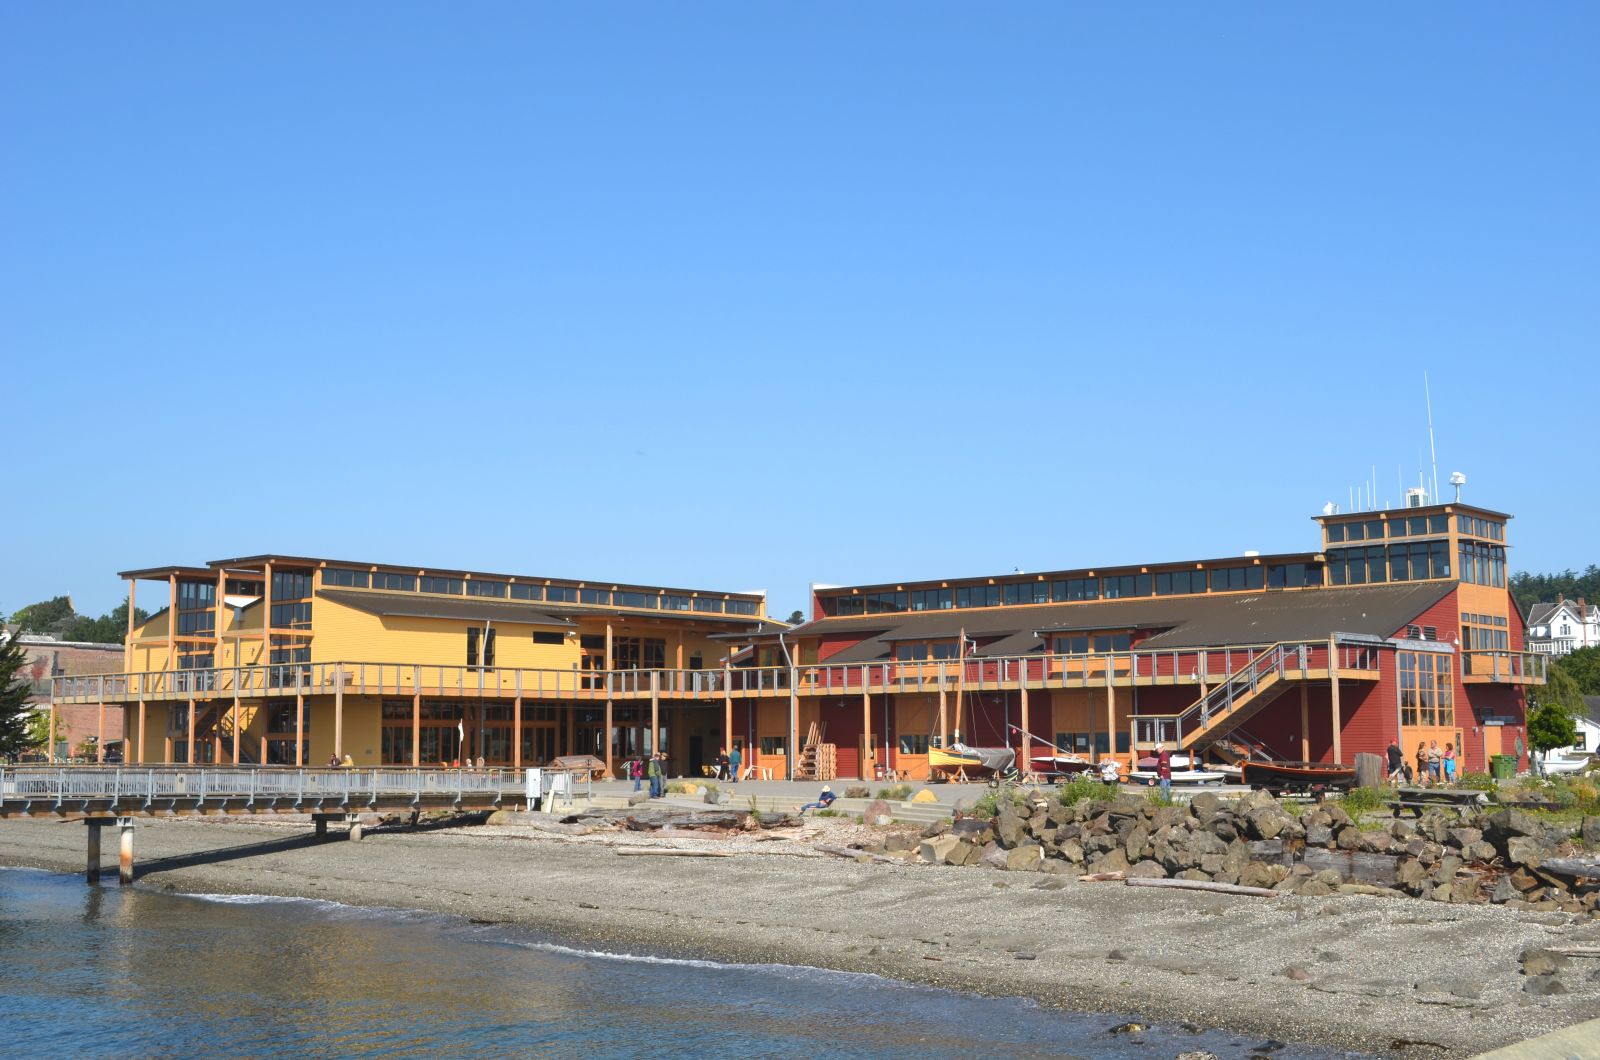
(103, 797)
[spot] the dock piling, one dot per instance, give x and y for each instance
(92, 874)
(125, 852)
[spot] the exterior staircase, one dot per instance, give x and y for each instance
(1225, 707)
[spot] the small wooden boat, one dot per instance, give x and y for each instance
(1297, 776)
(982, 759)
(1062, 765)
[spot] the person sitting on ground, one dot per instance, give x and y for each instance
(823, 801)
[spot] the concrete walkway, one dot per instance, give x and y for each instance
(1581, 1041)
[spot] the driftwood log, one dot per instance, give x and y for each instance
(1103, 877)
(1356, 865)
(654, 820)
(1201, 885)
(670, 852)
(1571, 866)
(848, 852)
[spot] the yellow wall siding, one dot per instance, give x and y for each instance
(343, 634)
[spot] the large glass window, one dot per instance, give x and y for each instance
(1127, 585)
(749, 607)
(978, 596)
(670, 602)
(638, 599)
(1178, 583)
(1427, 689)
(594, 596)
(1335, 531)
(405, 583)
(526, 591)
(477, 587)
(932, 599)
(1034, 592)
(561, 594)
(354, 579)
(713, 605)
(291, 585)
(1293, 575)
(440, 584)
(1068, 590)
(1238, 579)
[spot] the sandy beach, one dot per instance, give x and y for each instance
(1391, 975)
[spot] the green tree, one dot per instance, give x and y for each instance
(1528, 588)
(107, 629)
(795, 618)
(1583, 666)
(16, 733)
(51, 616)
(1551, 722)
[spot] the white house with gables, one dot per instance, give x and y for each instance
(1563, 627)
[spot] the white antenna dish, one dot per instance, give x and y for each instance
(1330, 508)
(1457, 479)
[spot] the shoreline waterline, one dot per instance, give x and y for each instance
(531, 991)
(1214, 961)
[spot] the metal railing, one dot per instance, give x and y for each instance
(1506, 667)
(196, 786)
(1035, 671)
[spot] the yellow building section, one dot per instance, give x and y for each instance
(344, 634)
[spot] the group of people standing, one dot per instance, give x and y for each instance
(1433, 765)
(652, 768)
(728, 765)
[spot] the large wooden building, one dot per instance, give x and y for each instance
(1398, 626)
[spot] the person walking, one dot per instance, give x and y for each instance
(734, 759)
(1397, 762)
(1164, 770)
(636, 771)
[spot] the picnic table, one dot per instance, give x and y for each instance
(1418, 799)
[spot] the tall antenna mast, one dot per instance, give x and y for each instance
(1432, 452)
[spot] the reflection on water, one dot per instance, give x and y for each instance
(101, 971)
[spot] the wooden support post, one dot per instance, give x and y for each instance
(793, 748)
(727, 710)
(1333, 682)
(92, 870)
(50, 748)
(100, 734)
(338, 712)
(190, 751)
(1305, 723)
(866, 732)
(655, 714)
(125, 851)
(238, 731)
(141, 757)
(266, 615)
(127, 644)
(299, 729)
(610, 737)
(572, 722)
(416, 729)
(516, 730)
(1111, 720)
(1025, 765)
(172, 623)
(322, 826)
(944, 727)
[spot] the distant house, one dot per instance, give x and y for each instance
(48, 658)
(1587, 745)
(1563, 627)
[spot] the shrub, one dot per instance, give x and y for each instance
(987, 806)
(1358, 801)
(1478, 781)
(1079, 788)
(895, 793)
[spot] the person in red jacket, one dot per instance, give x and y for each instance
(1164, 770)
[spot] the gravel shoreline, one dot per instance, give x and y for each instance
(1390, 975)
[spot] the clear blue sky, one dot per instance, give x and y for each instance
(755, 295)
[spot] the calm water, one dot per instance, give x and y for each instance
(102, 971)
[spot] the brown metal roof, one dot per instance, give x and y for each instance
(532, 613)
(1185, 621)
(457, 608)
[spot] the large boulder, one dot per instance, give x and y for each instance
(877, 813)
(1256, 874)
(1510, 824)
(1148, 869)
(1589, 831)
(1009, 830)
(1113, 860)
(1071, 850)
(1525, 850)
(1205, 804)
(1137, 842)
(936, 849)
(1266, 822)
(1025, 858)
(973, 828)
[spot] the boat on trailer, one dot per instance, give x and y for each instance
(1277, 777)
(960, 758)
